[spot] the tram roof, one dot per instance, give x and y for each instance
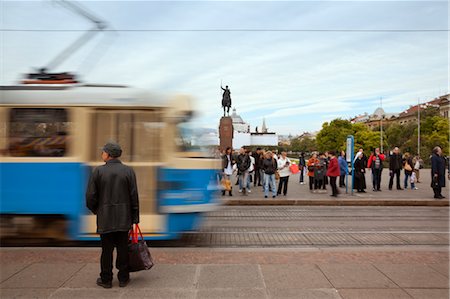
(80, 95)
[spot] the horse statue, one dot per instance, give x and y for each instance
(226, 100)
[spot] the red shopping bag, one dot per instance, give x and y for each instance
(294, 168)
(138, 253)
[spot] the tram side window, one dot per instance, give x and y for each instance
(38, 132)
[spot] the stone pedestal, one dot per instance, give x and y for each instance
(226, 132)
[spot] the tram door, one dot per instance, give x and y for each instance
(139, 132)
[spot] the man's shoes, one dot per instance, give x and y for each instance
(265, 196)
(399, 188)
(123, 284)
(273, 196)
(106, 285)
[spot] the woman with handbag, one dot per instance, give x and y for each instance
(407, 166)
(283, 169)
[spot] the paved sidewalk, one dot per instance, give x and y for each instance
(208, 273)
(299, 194)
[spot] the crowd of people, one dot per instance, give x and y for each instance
(265, 168)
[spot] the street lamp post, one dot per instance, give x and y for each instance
(418, 127)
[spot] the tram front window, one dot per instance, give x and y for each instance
(38, 132)
(191, 138)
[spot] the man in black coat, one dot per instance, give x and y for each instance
(437, 172)
(243, 163)
(395, 166)
(112, 195)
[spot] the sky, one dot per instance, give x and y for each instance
(295, 63)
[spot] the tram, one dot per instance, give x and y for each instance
(51, 137)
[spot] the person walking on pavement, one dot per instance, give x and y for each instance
(375, 163)
(437, 172)
(395, 166)
(269, 166)
(408, 167)
(227, 168)
(283, 168)
(243, 163)
(343, 169)
(112, 195)
(311, 170)
(302, 165)
(333, 173)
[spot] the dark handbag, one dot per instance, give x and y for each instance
(435, 182)
(138, 253)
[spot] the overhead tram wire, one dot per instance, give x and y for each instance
(230, 30)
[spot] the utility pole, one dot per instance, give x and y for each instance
(418, 127)
(381, 126)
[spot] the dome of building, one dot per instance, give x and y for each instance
(379, 112)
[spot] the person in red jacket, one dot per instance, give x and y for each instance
(333, 172)
(376, 164)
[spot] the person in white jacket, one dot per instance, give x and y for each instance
(283, 169)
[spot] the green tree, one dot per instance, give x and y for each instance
(332, 136)
(305, 144)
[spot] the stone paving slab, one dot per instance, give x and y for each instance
(230, 276)
(247, 293)
(304, 293)
(26, 293)
(8, 270)
(442, 268)
(294, 276)
(374, 294)
(413, 276)
(356, 276)
(87, 293)
(42, 275)
(429, 293)
(172, 293)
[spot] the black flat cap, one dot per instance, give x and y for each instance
(113, 149)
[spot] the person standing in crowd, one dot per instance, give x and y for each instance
(418, 165)
(408, 167)
(251, 171)
(343, 169)
(112, 195)
(375, 163)
(395, 166)
(326, 160)
(319, 172)
(243, 163)
(302, 165)
(333, 173)
(227, 168)
(360, 170)
(258, 171)
(283, 168)
(269, 166)
(437, 172)
(413, 181)
(311, 169)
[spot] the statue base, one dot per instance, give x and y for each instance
(226, 132)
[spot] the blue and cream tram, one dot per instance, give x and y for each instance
(50, 138)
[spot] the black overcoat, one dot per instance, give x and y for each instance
(112, 195)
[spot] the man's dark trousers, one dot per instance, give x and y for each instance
(109, 241)
(391, 180)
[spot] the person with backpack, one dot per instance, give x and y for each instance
(375, 163)
(243, 164)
